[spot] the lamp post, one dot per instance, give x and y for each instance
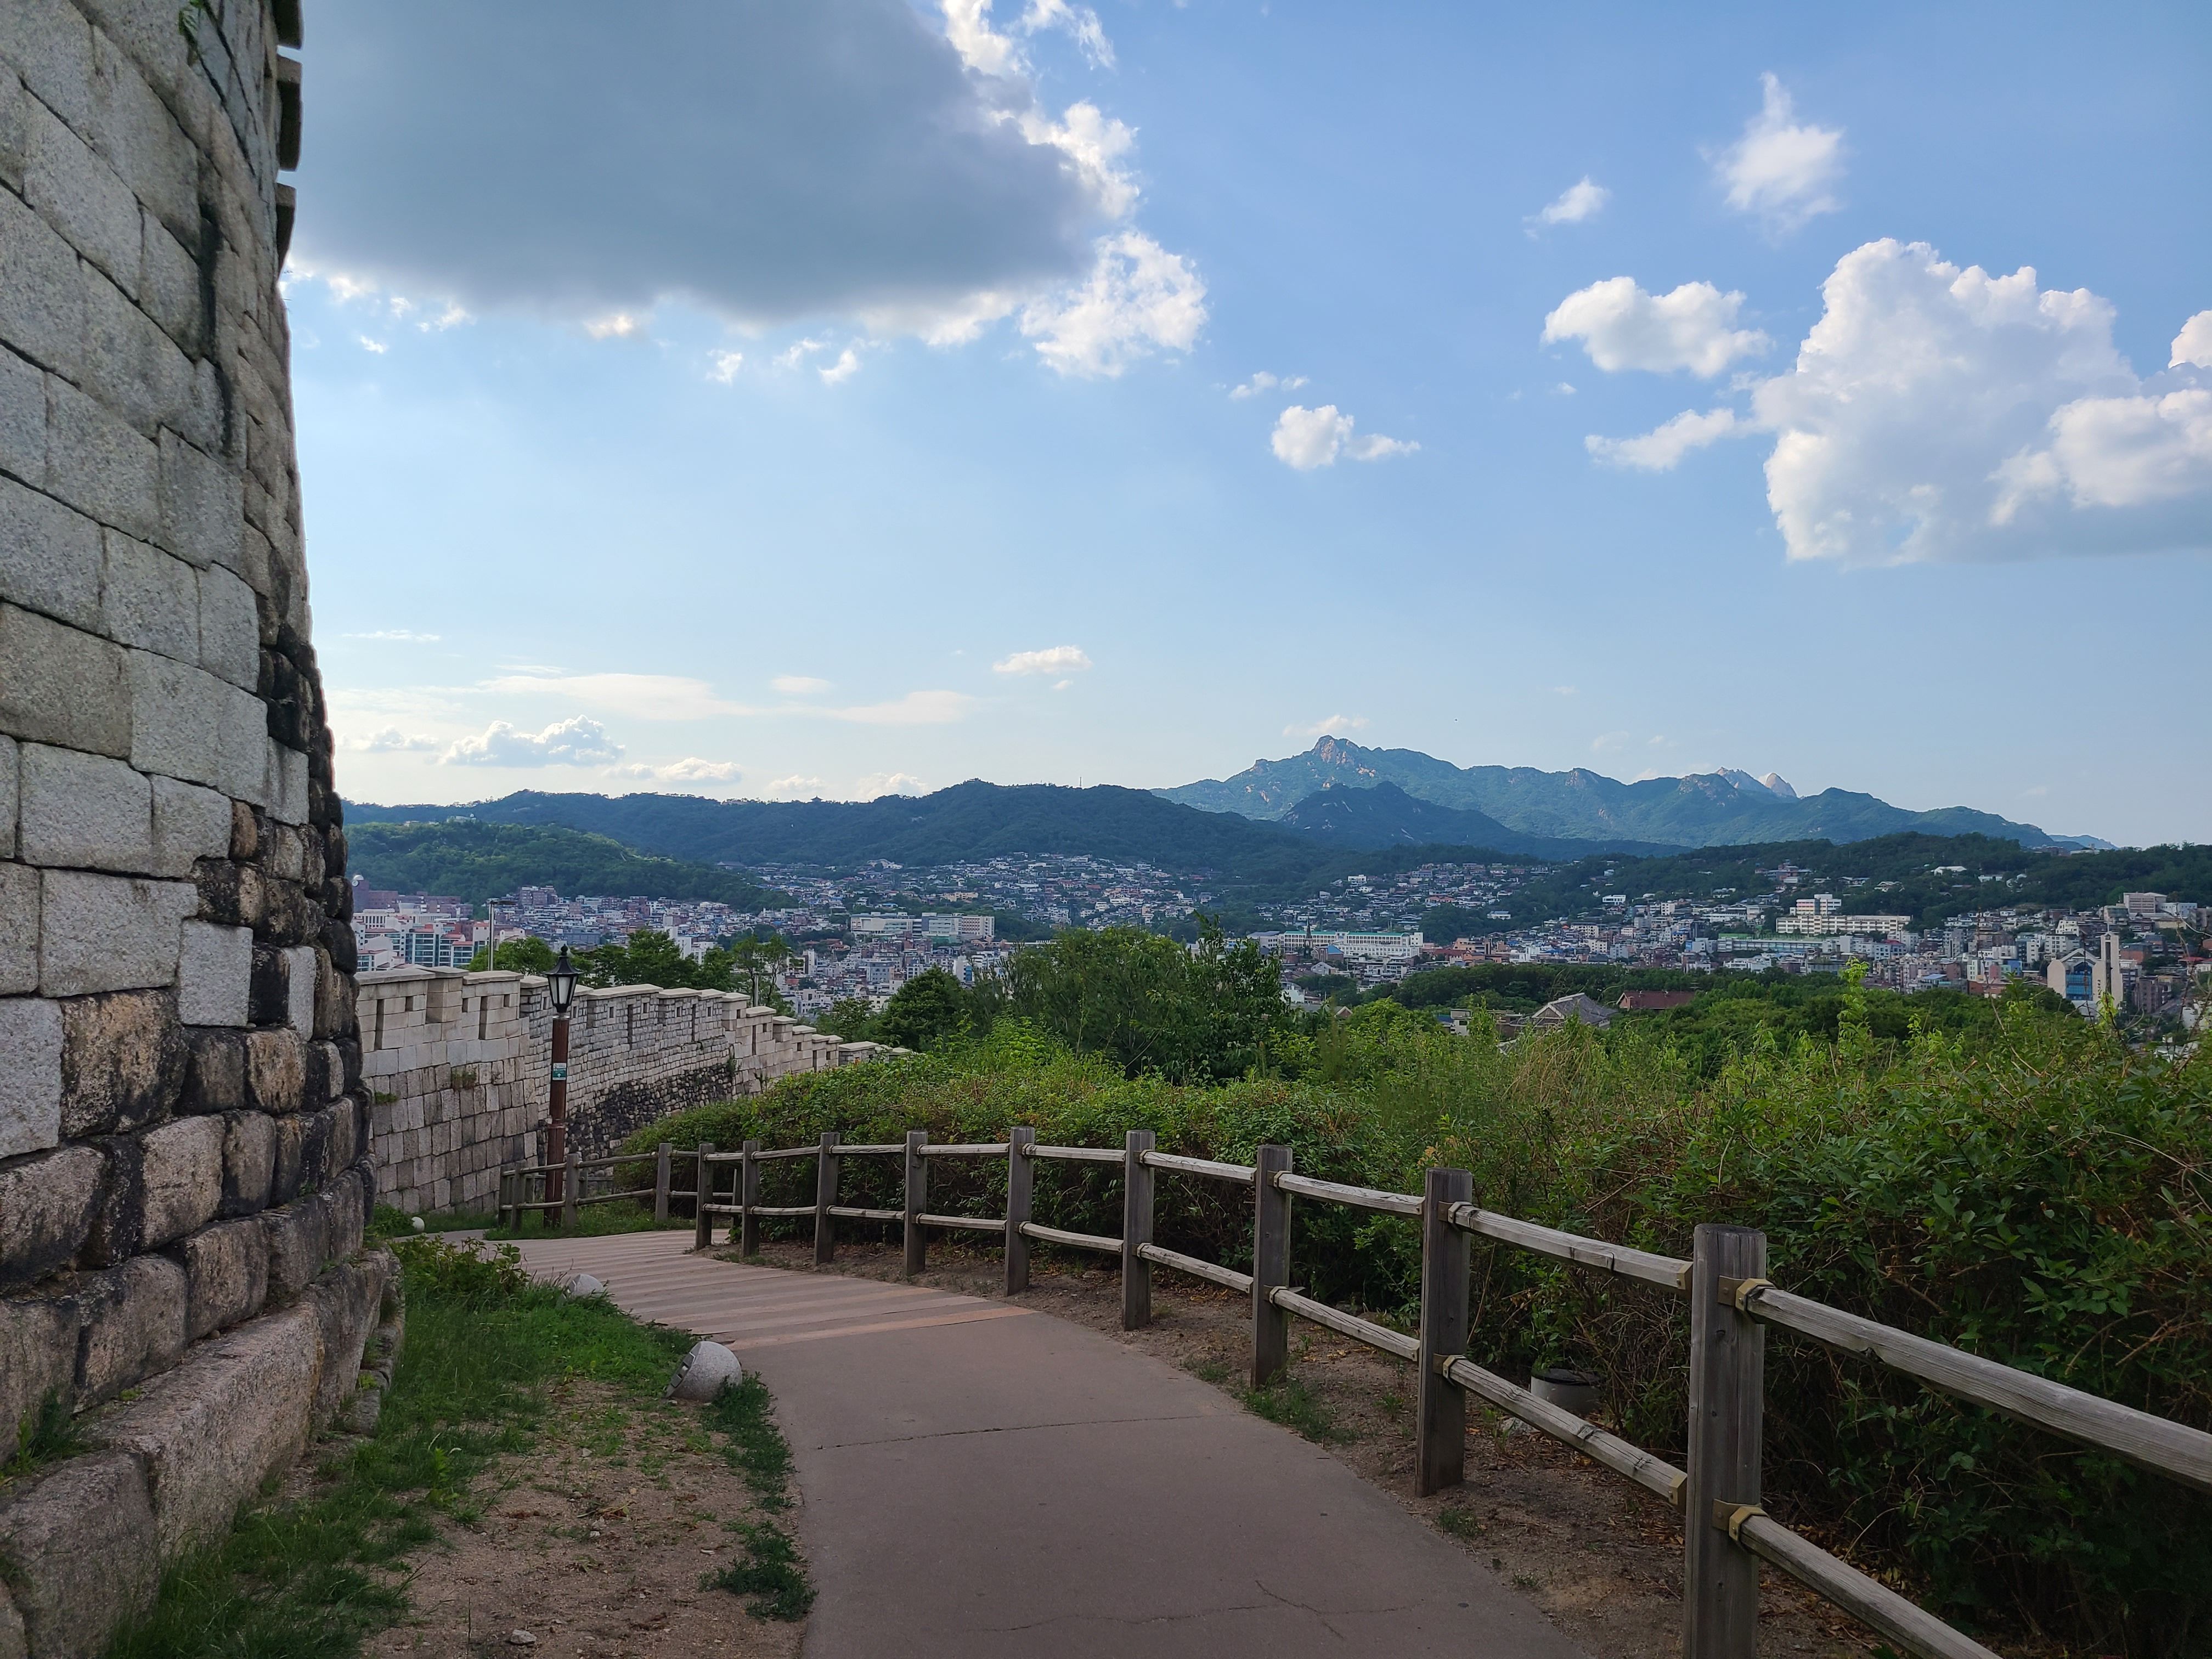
(560, 986)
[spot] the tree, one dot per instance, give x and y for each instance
(925, 1011)
(525, 954)
(647, 957)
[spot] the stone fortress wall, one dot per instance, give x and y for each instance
(185, 1173)
(459, 1064)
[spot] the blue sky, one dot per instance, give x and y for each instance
(871, 395)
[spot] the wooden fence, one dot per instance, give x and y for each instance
(1726, 1533)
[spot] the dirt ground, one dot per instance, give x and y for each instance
(1601, 1557)
(592, 1542)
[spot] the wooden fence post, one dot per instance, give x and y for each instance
(1440, 1456)
(826, 1195)
(1727, 1350)
(748, 1197)
(1021, 1186)
(1271, 1265)
(571, 1179)
(1136, 1229)
(506, 1193)
(660, 1167)
(917, 1197)
(702, 1219)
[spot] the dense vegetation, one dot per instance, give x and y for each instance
(478, 861)
(2004, 1176)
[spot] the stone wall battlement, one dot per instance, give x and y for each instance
(461, 1065)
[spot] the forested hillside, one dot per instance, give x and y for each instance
(480, 861)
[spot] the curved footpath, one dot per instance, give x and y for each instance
(981, 1480)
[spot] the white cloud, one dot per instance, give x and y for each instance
(798, 686)
(642, 696)
(726, 365)
(1606, 742)
(1623, 327)
(1139, 299)
(578, 741)
(615, 326)
(877, 784)
(2192, 347)
(1578, 202)
(1937, 413)
(397, 635)
(794, 786)
(1055, 659)
(915, 708)
(1262, 381)
(847, 365)
(1781, 170)
(452, 316)
(690, 769)
(390, 740)
(986, 51)
(1308, 438)
(376, 346)
(1334, 726)
(1658, 451)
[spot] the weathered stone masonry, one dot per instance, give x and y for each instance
(184, 1167)
(459, 1063)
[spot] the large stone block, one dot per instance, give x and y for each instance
(249, 1162)
(48, 1205)
(119, 1215)
(77, 193)
(30, 1075)
(230, 632)
(49, 555)
(210, 1431)
(136, 135)
(187, 724)
(41, 287)
(79, 1552)
(47, 42)
(22, 432)
(215, 1078)
(169, 287)
(189, 823)
(9, 760)
(37, 1356)
(275, 1070)
(203, 506)
(98, 462)
(214, 972)
(123, 1061)
(150, 599)
(133, 1326)
(344, 1302)
(298, 1237)
(303, 1149)
(101, 932)
(84, 811)
(182, 1178)
(300, 989)
(61, 685)
(226, 1276)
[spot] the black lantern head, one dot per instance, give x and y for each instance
(561, 982)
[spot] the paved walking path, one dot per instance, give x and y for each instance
(985, 1482)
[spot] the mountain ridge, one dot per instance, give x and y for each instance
(1726, 808)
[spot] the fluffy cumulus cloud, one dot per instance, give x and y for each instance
(1623, 327)
(853, 159)
(578, 741)
(1939, 413)
(1783, 170)
(1578, 202)
(1334, 726)
(690, 771)
(878, 784)
(1263, 381)
(1055, 659)
(389, 740)
(1308, 438)
(2192, 347)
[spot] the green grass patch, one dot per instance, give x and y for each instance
(771, 1574)
(1460, 1521)
(1291, 1403)
(310, 1579)
(593, 1221)
(44, 1436)
(754, 1445)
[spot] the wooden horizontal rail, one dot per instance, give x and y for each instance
(986, 1149)
(848, 1212)
(1652, 1474)
(730, 1157)
(727, 1209)
(788, 1151)
(1239, 1173)
(2153, 1442)
(1080, 1241)
(609, 1198)
(783, 1209)
(1080, 1155)
(1195, 1268)
(1873, 1604)
(585, 1163)
(1364, 1198)
(1351, 1325)
(1671, 1273)
(989, 1224)
(867, 1151)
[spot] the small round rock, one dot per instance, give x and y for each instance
(583, 1284)
(706, 1371)
(520, 1638)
